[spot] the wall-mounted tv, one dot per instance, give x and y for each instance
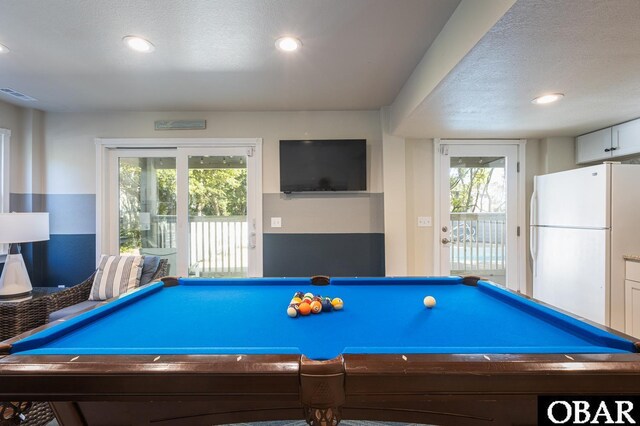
(323, 165)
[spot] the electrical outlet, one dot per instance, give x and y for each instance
(276, 222)
(424, 221)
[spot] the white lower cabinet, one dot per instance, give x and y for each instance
(632, 298)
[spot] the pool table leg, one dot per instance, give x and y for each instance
(322, 390)
(67, 413)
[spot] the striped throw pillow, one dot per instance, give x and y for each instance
(116, 275)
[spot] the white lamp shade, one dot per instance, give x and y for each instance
(24, 227)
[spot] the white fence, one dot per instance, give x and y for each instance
(478, 243)
(218, 246)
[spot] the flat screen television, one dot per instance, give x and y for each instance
(323, 165)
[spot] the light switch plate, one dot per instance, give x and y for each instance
(276, 222)
(424, 221)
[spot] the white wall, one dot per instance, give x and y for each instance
(420, 193)
(557, 154)
(27, 147)
(11, 118)
(395, 202)
(70, 148)
(30, 177)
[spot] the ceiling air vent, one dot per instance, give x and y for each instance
(18, 95)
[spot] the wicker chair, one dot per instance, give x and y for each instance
(40, 413)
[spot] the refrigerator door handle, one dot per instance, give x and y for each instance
(533, 239)
(533, 208)
(533, 249)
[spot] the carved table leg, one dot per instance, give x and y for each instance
(322, 390)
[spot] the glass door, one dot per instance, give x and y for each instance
(478, 219)
(196, 207)
(218, 222)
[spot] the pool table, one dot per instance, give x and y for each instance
(206, 351)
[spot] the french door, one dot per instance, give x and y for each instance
(478, 227)
(198, 207)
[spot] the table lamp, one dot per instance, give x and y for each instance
(19, 228)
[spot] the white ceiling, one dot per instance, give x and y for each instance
(587, 49)
(214, 54)
(356, 55)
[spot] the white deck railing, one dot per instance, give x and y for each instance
(478, 243)
(218, 245)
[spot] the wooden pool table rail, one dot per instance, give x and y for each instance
(230, 388)
(456, 389)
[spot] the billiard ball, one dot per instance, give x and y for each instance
(429, 301)
(299, 294)
(304, 309)
(326, 305)
(337, 303)
(293, 310)
(316, 307)
(309, 295)
(296, 300)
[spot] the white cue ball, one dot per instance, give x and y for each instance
(429, 301)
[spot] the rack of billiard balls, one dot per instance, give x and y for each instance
(308, 303)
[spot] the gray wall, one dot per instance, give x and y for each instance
(324, 234)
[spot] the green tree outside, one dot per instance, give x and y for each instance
(467, 187)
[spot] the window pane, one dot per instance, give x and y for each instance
(147, 199)
(218, 216)
(478, 217)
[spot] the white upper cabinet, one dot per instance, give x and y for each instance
(593, 146)
(626, 138)
(617, 141)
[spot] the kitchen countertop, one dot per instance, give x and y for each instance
(634, 257)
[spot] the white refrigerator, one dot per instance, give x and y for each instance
(582, 223)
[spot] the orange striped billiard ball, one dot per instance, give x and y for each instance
(316, 307)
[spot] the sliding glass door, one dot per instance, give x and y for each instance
(191, 206)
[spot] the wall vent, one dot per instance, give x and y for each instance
(16, 94)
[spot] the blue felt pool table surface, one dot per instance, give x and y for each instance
(380, 315)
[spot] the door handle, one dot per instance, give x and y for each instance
(446, 241)
(252, 240)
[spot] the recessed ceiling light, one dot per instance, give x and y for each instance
(3, 48)
(138, 44)
(547, 99)
(288, 44)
